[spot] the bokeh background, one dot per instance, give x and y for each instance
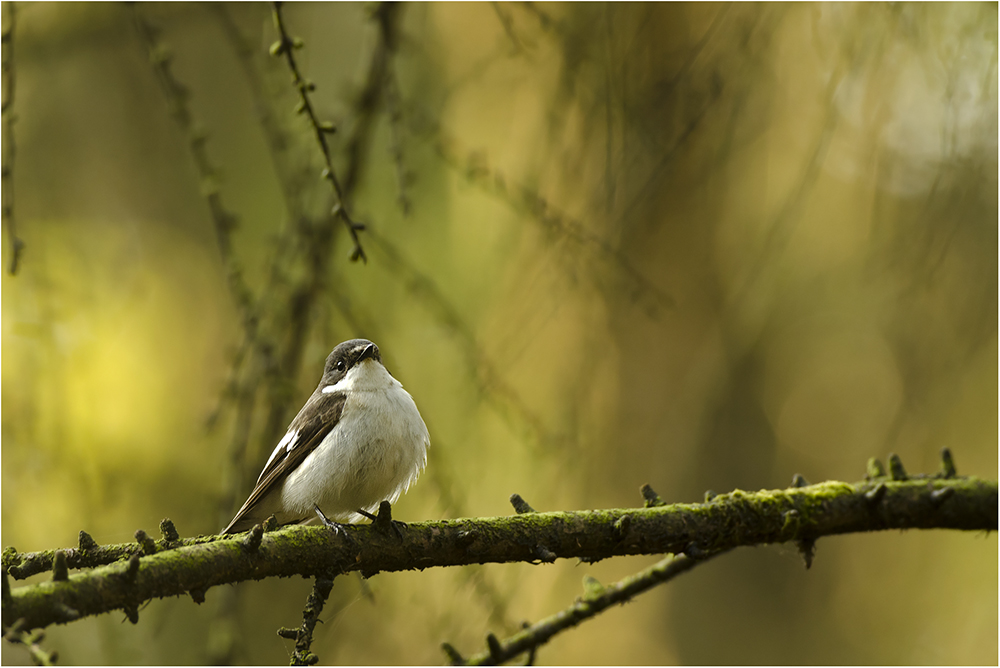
(696, 246)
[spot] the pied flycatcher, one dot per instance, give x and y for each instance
(359, 440)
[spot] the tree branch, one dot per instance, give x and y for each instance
(727, 521)
(286, 46)
(596, 599)
(310, 615)
(9, 148)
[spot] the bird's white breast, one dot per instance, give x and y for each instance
(375, 452)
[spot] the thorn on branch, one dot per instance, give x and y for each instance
(496, 651)
(875, 469)
(287, 633)
(521, 506)
(131, 613)
(132, 570)
(454, 658)
(544, 554)
(875, 494)
(653, 499)
(251, 542)
(947, 464)
(86, 541)
(896, 469)
(799, 480)
(148, 544)
(270, 524)
(60, 571)
(197, 595)
(807, 546)
(168, 530)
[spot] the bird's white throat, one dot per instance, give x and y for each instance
(369, 374)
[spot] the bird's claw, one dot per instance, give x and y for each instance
(335, 527)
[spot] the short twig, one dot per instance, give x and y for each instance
(224, 221)
(32, 642)
(310, 615)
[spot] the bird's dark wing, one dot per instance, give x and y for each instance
(316, 419)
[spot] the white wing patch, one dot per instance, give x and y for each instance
(286, 443)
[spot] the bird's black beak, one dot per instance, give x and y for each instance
(370, 352)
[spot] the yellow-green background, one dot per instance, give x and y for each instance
(809, 193)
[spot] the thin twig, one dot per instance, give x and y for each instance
(9, 147)
(530, 203)
(286, 46)
(509, 404)
(223, 220)
(302, 656)
(32, 642)
(595, 600)
(508, 27)
(388, 27)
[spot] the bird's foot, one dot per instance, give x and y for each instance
(336, 527)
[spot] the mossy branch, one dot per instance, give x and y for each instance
(739, 518)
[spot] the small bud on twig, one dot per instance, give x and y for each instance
(147, 543)
(896, 469)
(86, 541)
(652, 498)
(947, 464)
(60, 571)
(168, 530)
(875, 469)
(520, 505)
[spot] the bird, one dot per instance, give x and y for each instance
(358, 440)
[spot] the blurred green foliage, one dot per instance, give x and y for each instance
(697, 246)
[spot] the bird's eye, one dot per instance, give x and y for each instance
(341, 365)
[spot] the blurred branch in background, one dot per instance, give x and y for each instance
(595, 600)
(223, 220)
(9, 147)
(604, 263)
(286, 47)
(32, 640)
